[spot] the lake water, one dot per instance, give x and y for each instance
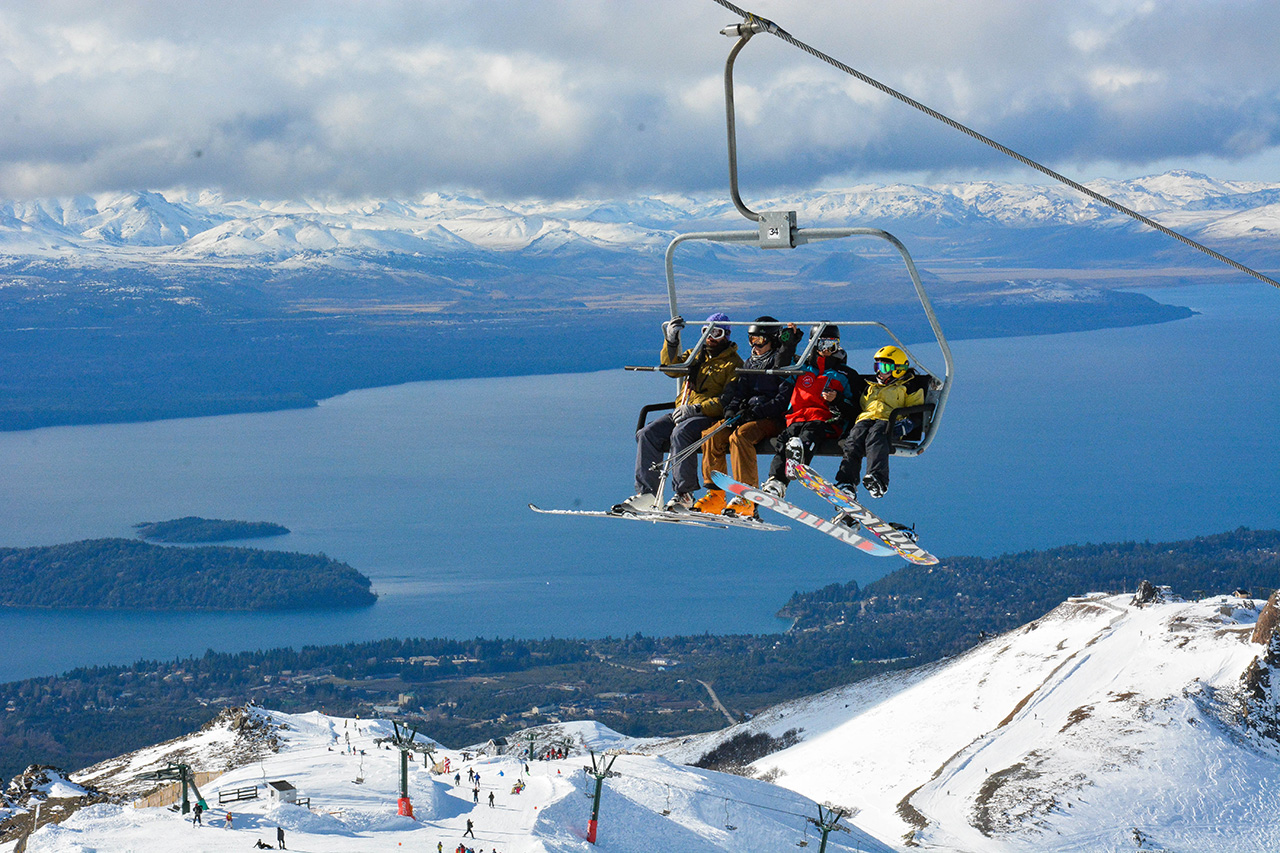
(1151, 433)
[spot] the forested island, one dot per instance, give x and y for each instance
(464, 691)
(110, 574)
(192, 529)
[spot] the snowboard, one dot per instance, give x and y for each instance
(900, 540)
(838, 531)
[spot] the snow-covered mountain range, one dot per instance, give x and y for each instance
(1109, 724)
(186, 226)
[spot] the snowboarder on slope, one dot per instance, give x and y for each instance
(696, 408)
(896, 386)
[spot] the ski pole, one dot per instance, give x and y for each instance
(696, 446)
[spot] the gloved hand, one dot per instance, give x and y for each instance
(790, 334)
(732, 412)
(903, 426)
(671, 329)
(685, 412)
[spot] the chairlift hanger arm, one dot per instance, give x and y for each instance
(755, 24)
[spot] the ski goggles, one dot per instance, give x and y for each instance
(827, 344)
(757, 340)
(886, 367)
(715, 333)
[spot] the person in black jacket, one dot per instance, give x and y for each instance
(752, 399)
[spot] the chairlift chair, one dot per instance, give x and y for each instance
(779, 230)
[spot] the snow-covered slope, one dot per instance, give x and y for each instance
(652, 804)
(1103, 726)
(1094, 726)
(204, 225)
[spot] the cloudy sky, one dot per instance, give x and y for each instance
(556, 98)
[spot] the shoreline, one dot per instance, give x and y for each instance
(1010, 321)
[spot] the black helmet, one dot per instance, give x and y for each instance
(825, 330)
(770, 331)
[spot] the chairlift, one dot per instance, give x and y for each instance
(778, 229)
(728, 825)
(666, 812)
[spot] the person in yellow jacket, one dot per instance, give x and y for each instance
(869, 435)
(697, 408)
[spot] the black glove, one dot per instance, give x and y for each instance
(685, 412)
(903, 426)
(731, 412)
(671, 329)
(789, 334)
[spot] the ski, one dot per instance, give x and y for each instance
(692, 519)
(839, 531)
(901, 541)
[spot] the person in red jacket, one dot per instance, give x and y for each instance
(819, 400)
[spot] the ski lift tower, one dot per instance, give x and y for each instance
(177, 772)
(403, 740)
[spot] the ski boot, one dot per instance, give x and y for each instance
(874, 487)
(741, 508)
(642, 502)
(682, 502)
(774, 486)
(712, 503)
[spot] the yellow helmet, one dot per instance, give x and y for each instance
(894, 362)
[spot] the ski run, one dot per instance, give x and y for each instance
(1102, 726)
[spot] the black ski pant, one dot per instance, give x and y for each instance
(810, 434)
(869, 438)
(657, 436)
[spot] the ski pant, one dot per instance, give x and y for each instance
(739, 444)
(869, 438)
(657, 436)
(810, 434)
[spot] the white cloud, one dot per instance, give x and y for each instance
(557, 97)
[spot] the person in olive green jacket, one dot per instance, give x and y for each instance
(697, 408)
(895, 386)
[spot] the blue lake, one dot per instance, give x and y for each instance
(1151, 433)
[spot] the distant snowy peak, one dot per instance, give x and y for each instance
(189, 225)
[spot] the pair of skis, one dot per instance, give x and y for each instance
(658, 516)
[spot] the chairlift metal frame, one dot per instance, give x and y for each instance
(778, 230)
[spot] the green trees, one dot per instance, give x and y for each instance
(132, 575)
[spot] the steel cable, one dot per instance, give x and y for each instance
(774, 30)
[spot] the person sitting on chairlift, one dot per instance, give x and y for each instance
(696, 409)
(819, 400)
(752, 400)
(869, 436)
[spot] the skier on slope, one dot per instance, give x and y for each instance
(752, 397)
(819, 400)
(696, 408)
(896, 385)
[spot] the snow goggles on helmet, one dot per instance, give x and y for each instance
(715, 333)
(827, 344)
(886, 367)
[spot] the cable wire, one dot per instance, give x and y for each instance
(774, 30)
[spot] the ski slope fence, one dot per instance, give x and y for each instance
(171, 793)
